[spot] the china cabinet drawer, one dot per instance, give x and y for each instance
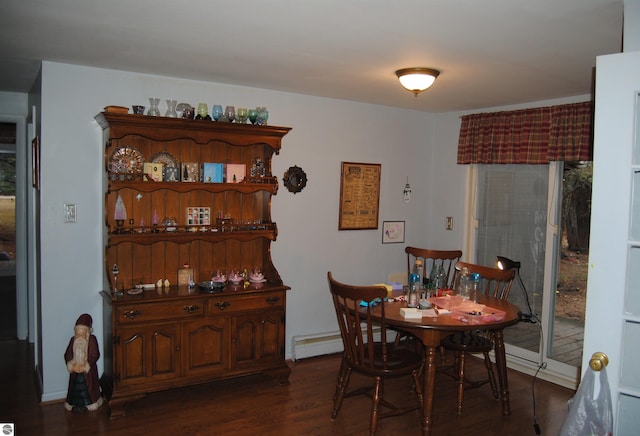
(254, 302)
(159, 311)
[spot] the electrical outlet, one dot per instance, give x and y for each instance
(449, 223)
(70, 213)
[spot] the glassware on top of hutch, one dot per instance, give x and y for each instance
(216, 112)
(242, 115)
(262, 116)
(230, 113)
(171, 109)
(202, 112)
(180, 109)
(253, 115)
(154, 111)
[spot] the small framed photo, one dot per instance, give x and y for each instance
(392, 232)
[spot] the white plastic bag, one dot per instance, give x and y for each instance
(588, 415)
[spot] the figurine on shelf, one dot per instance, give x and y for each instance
(120, 214)
(81, 356)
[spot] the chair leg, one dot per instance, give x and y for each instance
(442, 355)
(460, 367)
(492, 377)
(417, 386)
(377, 395)
(341, 386)
(340, 379)
(399, 337)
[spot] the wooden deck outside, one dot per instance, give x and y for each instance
(568, 338)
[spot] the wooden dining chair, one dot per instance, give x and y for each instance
(367, 352)
(430, 258)
(495, 283)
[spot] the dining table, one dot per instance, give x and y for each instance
(430, 330)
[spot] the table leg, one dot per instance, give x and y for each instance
(501, 363)
(429, 385)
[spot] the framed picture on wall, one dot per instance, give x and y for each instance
(359, 196)
(392, 232)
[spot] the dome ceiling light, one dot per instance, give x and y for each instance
(417, 80)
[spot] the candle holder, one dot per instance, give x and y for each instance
(119, 224)
(115, 271)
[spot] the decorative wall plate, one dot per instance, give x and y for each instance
(166, 158)
(295, 179)
(126, 160)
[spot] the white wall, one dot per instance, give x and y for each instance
(13, 103)
(325, 132)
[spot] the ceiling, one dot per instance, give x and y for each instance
(490, 52)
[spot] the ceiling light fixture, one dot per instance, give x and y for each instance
(417, 80)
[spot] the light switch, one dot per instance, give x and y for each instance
(449, 223)
(70, 213)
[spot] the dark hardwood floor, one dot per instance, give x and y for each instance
(256, 405)
(8, 304)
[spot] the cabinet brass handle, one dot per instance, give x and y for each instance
(273, 300)
(131, 314)
(191, 308)
(222, 305)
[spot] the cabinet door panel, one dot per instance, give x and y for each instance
(245, 340)
(163, 352)
(269, 339)
(206, 348)
(258, 338)
(147, 353)
(133, 362)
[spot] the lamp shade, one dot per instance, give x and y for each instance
(504, 263)
(417, 80)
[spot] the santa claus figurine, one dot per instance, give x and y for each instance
(81, 357)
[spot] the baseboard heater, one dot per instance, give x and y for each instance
(319, 344)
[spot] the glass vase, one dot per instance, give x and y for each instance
(171, 109)
(154, 111)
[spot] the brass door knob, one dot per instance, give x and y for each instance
(598, 361)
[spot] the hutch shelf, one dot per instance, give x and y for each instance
(161, 333)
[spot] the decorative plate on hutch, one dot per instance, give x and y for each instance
(166, 158)
(126, 160)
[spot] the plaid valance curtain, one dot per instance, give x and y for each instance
(528, 136)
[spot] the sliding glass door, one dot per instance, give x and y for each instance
(516, 211)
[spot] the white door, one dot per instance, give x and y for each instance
(613, 291)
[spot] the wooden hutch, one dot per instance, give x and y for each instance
(163, 337)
